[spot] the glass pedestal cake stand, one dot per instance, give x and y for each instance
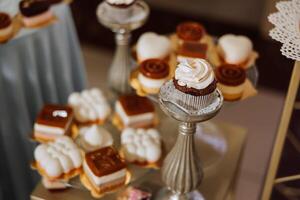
(122, 25)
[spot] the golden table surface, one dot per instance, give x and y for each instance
(218, 180)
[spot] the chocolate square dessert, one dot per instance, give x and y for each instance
(135, 111)
(192, 50)
(53, 121)
(105, 169)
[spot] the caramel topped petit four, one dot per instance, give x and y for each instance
(5, 20)
(104, 161)
(153, 73)
(6, 27)
(135, 111)
(53, 121)
(190, 31)
(135, 105)
(192, 50)
(154, 68)
(35, 13)
(231, 81)
(105, 170)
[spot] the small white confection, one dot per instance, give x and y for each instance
(152, 45)
(235, 48)
(196, 73)
(58, 157)
(89, 105)
(95, 137)
(54, 185)
(141, 145)
(120, 2)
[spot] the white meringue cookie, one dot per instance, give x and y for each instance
(89, 105)
(235, 48)
(152, 45)
(58, 157)
(95, 137)
(53, 167)
(141, 145)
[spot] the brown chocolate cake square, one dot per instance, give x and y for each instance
(135, 105)
(104, 161)
(55, 115)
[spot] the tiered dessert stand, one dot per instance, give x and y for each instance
(122, 63)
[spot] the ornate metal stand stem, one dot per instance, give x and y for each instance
(182, 172)
(122, 26)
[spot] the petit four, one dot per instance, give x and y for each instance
(133, 193)
(53, 121)
(94, 137)
(191, 50)
(152, 75)
(190, 31)
(151, 45)
(54, 185)
(105, 170)
(6, 27)
(235, 49)
(231, 81)
(60, 159)
(35, 13)
(195, 83)
(135, 111)
(90, 106)
(141, 146)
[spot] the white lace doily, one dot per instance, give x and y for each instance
(287, 27)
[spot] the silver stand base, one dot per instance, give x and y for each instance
(165, 194)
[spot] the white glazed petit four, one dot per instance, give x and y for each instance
(141, 146)
(90, 106)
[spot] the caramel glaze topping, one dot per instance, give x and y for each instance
(190, 31)
(31, 8)
(55, 115)
(104, 161)
(193, 49)
(230, 75)
(154, 68)
(5, 20)
(134, 105)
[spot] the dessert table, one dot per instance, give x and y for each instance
(36, 67)
(218, 180)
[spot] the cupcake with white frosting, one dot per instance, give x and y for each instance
(195, 83)
(90, 106)
(94, 137)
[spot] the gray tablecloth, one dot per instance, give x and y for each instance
(37, 67)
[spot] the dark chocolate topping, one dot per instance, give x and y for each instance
(55, 115)
(154, 68)
(30, 8)
(230, 75)
(190, 31)
(196, 92)
(5, 20)
(104, 161)
(134, 105)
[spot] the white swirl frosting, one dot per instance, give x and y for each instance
(120, 2)
(194, 73)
